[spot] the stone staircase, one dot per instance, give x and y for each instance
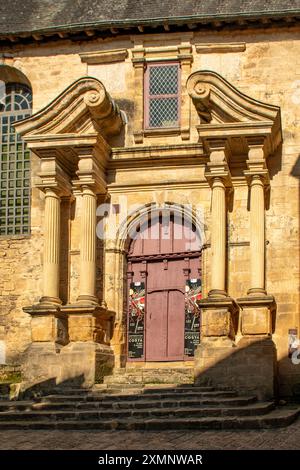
(140, 406)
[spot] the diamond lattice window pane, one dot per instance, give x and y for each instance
(163, 80)
(163, 112)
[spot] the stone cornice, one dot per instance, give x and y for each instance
(158, 152)
(206, 48)
(104, 57)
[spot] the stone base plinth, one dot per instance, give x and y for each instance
(88, 322)
(48, 323)
(81, 364)
(257, 314)
(219, 317)
(248, 367)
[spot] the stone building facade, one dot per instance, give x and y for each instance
(220, 149)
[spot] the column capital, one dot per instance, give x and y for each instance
(257, 171)
(256, 163)
(90, 173)
(218, 172)
(52, 177)
(217, 167)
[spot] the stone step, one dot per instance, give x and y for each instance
(118, 404)
(126, 396)
(145, 413)
(148, 379)
(276, 418)
(14, 405)
(153, 388)
(154, 370)
(70, 391)
(145, 403)
(145, 376)
(136, 388)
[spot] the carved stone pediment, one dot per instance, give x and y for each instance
(83, 108)
(71, 134)
(225, 112)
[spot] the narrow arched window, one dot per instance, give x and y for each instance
(15, 162)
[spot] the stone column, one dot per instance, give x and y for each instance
(258, 308)
(48, 322)
(51, 248)
(219, 312)
(218, 238)
(257, 236)
(88, 247)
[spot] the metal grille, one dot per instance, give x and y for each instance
(14, 163)
(162, 96)
(163, 112)
(163, 80)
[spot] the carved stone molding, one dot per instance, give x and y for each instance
(182, 52)
(83, 109)
(206, 48)
(71, 135)
(104, 57)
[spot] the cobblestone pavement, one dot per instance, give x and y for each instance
(284, 438)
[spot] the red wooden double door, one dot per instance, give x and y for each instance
(163, 261)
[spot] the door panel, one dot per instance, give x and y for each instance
(175, 312)
(165, 311)
(156, 326)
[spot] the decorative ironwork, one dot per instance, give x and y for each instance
(14, 163)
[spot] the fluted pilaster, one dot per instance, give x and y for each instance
(51, 248)
(257, 235)
(88, 246)
(218, 238)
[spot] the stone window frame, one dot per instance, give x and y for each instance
(142, 56)
(14, 172)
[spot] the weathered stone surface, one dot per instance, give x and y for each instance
(255, 321)
(78, 363)
(249, 367)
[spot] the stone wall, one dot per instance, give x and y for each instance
(268, 70)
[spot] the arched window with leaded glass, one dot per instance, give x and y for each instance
(15, 105)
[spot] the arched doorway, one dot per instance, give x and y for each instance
(164, 283)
